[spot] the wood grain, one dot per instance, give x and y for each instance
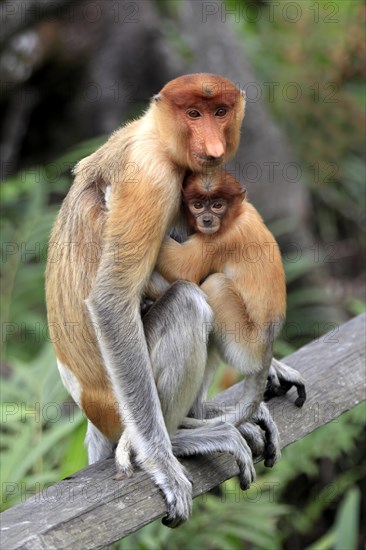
(91, 510)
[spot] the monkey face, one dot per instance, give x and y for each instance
(202, 114)
(208, 214)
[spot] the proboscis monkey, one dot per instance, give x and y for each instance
(236, 261)
(125, 374)
(104, 245)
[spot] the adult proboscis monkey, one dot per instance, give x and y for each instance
(104, 246)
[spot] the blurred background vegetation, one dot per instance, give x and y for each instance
(73, 72)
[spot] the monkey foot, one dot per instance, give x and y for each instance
(254, 436)
(280, 379)
(123, 458)
(272, 450)
(122, 475)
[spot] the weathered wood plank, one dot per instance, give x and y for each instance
(91, 510)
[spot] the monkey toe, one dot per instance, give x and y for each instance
(254, 436)
(246, 477)
(272, 455)
(301, 392)
(172, 523)
(300, 401)
(244, 484)
(123, 473)
(269, 462)
(174, 518)
(273, 390)
(247, 474)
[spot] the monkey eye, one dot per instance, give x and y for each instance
(218, 206)
(221, 112)
(197, 205)
(193, 113)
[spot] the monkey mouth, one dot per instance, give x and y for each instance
(209, 161)
(208, 230)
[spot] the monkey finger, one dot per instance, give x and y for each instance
(254, 436)
(276, 390)
(281, 378)
(176, 517)
(172, 522)
(177, 491)
(122, 475)
(272, 450)
(123, 457)
(247, 474)
(302, 395)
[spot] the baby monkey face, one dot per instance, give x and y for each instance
(208, 214)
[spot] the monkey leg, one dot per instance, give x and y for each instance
(178, 352)
(212, 437)
(176, 338)
(175, 334)
(281, 378)
(201, 409)
(246, 346)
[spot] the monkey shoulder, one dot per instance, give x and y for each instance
(253, 227)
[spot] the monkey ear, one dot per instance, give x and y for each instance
(243, 93)
(244, 193)
(156, 97)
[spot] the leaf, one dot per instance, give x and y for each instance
(347, 521)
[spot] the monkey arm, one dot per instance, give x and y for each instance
(128, 258)
(156, 287)
(130, 224)
(183, 261)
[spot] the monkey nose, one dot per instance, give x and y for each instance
(215, 151)
(207, 223)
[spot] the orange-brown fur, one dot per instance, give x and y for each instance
(251, 293)
(144, 162)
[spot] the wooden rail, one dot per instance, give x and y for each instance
(91, 510)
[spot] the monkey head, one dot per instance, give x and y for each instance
(212, 201)
(199, 118)
(207, 214)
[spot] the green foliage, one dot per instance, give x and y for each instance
(39, 430)
(346, 526)
(344, 533)
(218, 522)
(42, 437)
(25, 229)
(333, 441)
(314, 74)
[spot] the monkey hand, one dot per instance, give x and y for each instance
(171, 479)
(177, 489)
(281, 378)
(215, 436)
(254, 436)
(123, 457)
(272, 449)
